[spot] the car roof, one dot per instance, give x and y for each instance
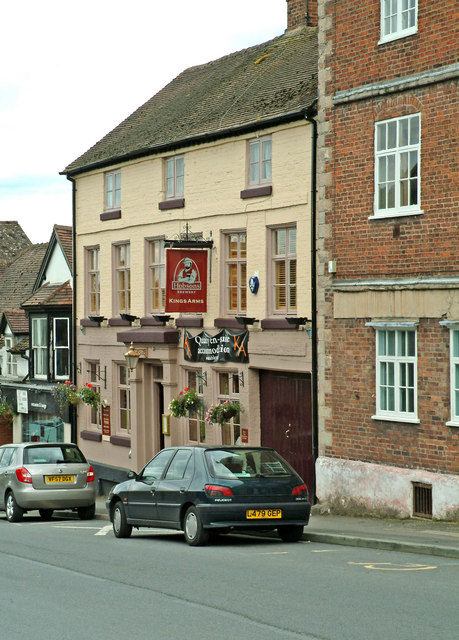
(23, 445)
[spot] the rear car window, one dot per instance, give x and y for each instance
(249, 463)
(52, 455)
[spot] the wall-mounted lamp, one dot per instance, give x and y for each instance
(132, 356)
(241, 378)
(97, 319)
(98, 376)
(297, 321)
(128, 317)
(163, 319)
(243, 320)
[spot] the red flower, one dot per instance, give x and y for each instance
(67, 382)
(181, 392)
(89, 385)
(187, 388)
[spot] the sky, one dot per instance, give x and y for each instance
(70, 72)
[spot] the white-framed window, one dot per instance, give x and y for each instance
(399, 18)
(175, 172)
(93, 280)
(93, 377)
(122, 261)
(113, 189)
(235, 272)
(124, 399)
(397, 166)
(196, 422)
(11, 362)
(455, 376)
(396, 373)
(260, 161)
(228, 389)
(156, 276)
(284, 285)
(40, 347)
(61, 347)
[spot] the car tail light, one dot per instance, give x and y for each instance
(216, 491)
(91, 476)
(300, 490)
(23, 475)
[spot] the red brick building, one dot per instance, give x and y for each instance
(388, 273)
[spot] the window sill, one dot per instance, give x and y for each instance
(184, 321)
(396, 418)
(398, 36)
(110, 215)
(395, 214)
(118, 322)
(228, 323)
(277, 323)
(256, 192)
(120, 441)
(176, 203)
(91, 435)
(87, 322)
(452, 423)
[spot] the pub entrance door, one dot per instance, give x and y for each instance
(286, 420)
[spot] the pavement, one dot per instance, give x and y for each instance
(414, 535)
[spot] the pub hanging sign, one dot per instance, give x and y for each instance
(225, 346)
(186, 280)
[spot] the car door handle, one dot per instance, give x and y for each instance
(152, 490)
(182, 489)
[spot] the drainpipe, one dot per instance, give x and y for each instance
(73, 425)
(310, 117)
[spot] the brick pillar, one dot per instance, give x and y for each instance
(301, 13)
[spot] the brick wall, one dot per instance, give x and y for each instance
(301, 12)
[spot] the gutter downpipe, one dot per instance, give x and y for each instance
(73, 414)
(309, 116)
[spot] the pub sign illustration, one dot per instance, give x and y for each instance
(186, 280)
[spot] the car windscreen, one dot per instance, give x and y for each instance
(249, 463)
(52, 455)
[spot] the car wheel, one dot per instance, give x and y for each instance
(87, 513)
(46, 514)
(121, 528)
(195, 534)
(290, 533)
(14, 513)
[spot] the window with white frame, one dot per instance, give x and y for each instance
(284, 287)
(122, 260)
(93, 378)
(175, 171)
(156, 276)
(11, 362)
(455, 376)
(228, 389)
(396, 373)
(113, 189)
(93, 281)
(399, 18)
(40, 347)
(235, 272)
(61, 347)
(260, 150)
(397, 166)
(124, 399)
(196, 422)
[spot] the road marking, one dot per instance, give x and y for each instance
(323, 551)
(388, 566)
(72, 526)
(104, 530)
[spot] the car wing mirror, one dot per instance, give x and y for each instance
(132, 475)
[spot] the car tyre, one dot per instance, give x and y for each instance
(290, 532)
(87, 513)
(121, 528)
(195, 534)
(46, 514)
(14, 512)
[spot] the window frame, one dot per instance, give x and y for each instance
(92, 280)
(174, 184)
(158, 291)
(287, 258)
(42, 349)
(400, 362)
(57, 349)
(112, 190)
(196, 422)
(399, 31)
(260, 162)
(93, 378)
(11, 360)
(121, 271)
(398, 153)
(123, 388)
(240, 263)
(232, 426)
(454, 376)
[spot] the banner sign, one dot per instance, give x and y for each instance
(186, 280)
(225, 346)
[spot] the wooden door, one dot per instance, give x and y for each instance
(286, 420)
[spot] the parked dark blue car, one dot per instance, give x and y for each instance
(200, 490)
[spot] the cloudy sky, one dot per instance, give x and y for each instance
(70, 72)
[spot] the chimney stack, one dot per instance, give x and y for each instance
(301, 13)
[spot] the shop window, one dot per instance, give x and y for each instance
(196, 422)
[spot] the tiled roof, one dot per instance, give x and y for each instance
(12, 241)
(17, 320)
(64, 236)
(249, 88)
(18, 279)
(20, 347)
(50, 295)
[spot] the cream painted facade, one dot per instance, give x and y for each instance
(215, 175)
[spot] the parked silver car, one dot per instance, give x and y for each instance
(45, 476)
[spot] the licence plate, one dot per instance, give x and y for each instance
(58, 479)
(263, 514)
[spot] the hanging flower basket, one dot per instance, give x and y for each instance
(222, 412)
(6, 413)
(67, 393)
(187, 401)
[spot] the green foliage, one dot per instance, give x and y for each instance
(222, 412)
(67, 393)
(187, 401)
